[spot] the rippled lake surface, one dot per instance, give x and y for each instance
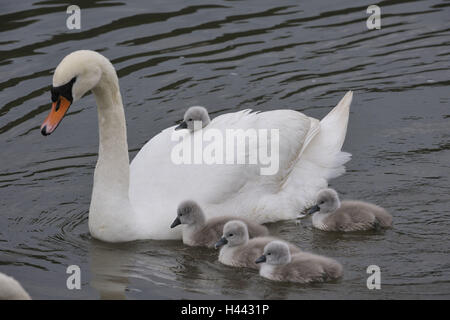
(228, 56)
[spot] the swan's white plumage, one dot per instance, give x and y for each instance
(10, 289)
(138, 200)
(221, 189)
(158, 185)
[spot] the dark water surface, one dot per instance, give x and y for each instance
(227, 56)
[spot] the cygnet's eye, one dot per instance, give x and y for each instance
(189, 119)
(230, 234)
(181, 214)
(322, 202)
(268, 253)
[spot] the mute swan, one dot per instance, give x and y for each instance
(136, 201)
(304, 267)
(193, 114)
(10, 289)
(237, 250)
(329, 214)
(199, 232)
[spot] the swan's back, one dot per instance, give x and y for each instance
(10, 289)
(219, 188)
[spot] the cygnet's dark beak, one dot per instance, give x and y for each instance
(261, 259)
(182, 125)
(223, 241)
(175, 223)
(313, 209)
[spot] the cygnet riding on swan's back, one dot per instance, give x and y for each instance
(10, 289)
(236, 248)
(329, 214)
(192, 116)
(197, 231)
(278, 264)
(137, 201)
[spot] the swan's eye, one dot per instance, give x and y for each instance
(65, 90)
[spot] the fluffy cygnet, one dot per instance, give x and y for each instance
(194, 115)
(197, 231)
(329, 214)
(278, 264)
(240, 251)
(10, 289)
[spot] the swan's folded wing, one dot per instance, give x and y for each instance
(287, 130)
(157, 183)
(322, 158)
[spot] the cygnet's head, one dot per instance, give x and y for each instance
(190, 213)
(275, 253)
(235, 233)
(194, 118)
(327, 202)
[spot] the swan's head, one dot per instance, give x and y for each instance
(78, 73)
(190, 213)
(235, 233)
(275, 253)
(327, 202)
(194, 118)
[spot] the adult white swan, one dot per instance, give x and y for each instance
(139, 201)
(10, 289)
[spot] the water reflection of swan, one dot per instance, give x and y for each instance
(137, 201)
(122, 271)
(107, 266)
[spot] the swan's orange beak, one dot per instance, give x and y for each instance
(59, 109)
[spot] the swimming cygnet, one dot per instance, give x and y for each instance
(10, 289)
(238, 251)
(197, 231)
(193, 115)
(329, 214)
(278, 264)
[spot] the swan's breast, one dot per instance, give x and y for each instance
(266, 271)
(227, 256)
(318, 221)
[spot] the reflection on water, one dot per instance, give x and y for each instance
(229, 55)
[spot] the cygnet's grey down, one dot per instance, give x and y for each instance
(238, 250)
(192, 116)
(10, 289)
(197, 231)
(329, 214)
(278, 264)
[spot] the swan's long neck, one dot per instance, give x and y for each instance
(111, 217)
(113, 167)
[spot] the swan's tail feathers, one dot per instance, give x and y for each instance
(337, 167)
(321, 158)
(334, 125)
(325, 148)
